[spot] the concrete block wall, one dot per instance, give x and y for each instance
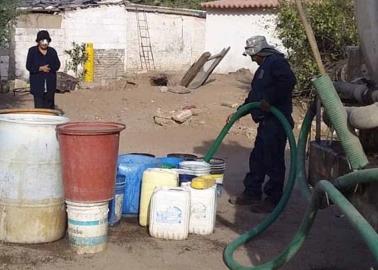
(109, 64)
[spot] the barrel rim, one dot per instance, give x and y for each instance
(33, 119)
(90, 128)
(56, 112)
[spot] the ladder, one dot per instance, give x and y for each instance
(145, 49)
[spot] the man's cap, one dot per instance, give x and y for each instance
(256, 44)
(43, 34)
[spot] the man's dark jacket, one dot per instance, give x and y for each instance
(274, 82)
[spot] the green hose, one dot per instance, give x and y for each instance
(244, 110)
(338, 116)
(355, 218)
(301, 154)
(344, 182)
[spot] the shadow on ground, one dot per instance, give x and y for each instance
(17, 100)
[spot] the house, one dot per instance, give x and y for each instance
(126, 37)
(231, 22)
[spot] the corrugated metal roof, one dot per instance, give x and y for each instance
(239, 4)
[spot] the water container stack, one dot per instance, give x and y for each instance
(89, 159)
(169, 213)
(203, 205)
(115, 205)
(184, 157)
(154, 178)
(218, 167)
(31, 189)
(132, 166)
(170, 162)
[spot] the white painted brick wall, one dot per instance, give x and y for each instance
(25, 38)
(177, 40)
(231, 28)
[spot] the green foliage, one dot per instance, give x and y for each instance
(334, 26)
(8, 11)
(194, 4)
(78, 56)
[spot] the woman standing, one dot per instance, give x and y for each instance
(43, 63)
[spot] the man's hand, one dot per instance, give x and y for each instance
(264, 106)
(44, 68)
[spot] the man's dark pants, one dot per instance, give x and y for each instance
(267, 158)
(44, 100)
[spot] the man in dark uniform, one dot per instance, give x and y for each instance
(43, 63)
(272, 84)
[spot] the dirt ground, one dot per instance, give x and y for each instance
(332, 244)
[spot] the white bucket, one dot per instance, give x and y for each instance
(87, 226)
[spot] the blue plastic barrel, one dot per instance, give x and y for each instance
(116, 204)
(132, 167)
(169, 162)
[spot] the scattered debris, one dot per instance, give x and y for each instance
(131, 82)
(182, 116)
(198, 73)
(159, 80)
(174, 117)
(163, 89)
(178, 89)
(163, 118)
(65, 82)
(189, 107)
(230, 105)
(194, 69)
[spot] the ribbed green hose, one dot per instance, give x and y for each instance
(355, 218)
(346, 181)
(230, 249)
(337, 114)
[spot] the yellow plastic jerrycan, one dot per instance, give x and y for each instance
(153, 178)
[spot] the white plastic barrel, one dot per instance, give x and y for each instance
(87, 226)
(153, 178)
(31, 190)
(203, 207)
(169, 214)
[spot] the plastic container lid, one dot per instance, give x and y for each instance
(203, 182)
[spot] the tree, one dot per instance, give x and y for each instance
(8, 11)
(334, 26)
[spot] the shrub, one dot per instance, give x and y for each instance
(334, 26)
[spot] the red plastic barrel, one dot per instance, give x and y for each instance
(89, 152)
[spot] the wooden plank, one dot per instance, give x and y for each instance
(194, 69)
(203, 76)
